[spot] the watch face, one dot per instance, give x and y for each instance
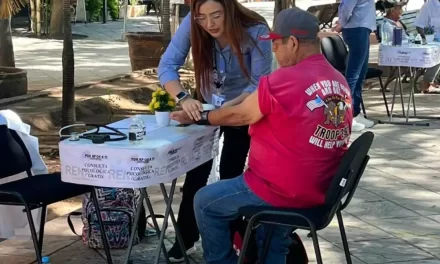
(181, 95)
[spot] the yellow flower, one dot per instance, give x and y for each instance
(156, 105)
(151, 106)
(171, 103)
(154, 94)
(162, 92)
(153, 100)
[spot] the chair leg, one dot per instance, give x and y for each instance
(382, 88)
(246, 238)
(42, 224)
(33, 233)
(344, 238)
(266, 244)
(101, 226)
(316, 245)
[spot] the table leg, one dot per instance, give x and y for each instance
(156, 225)
(411, 92)
(411, 97)
(176, 227)
(143, 196)
(401, 92)
(168, 211)
(134, 227)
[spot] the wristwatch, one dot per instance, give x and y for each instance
(181, 96)
(204, 121)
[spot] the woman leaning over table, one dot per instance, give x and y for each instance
(228, 62)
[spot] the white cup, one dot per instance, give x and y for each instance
(208, 107)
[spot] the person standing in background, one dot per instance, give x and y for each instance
(429, 16)
(357, 19)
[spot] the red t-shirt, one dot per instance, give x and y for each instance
(298, 144)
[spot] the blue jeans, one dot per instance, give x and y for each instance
(216, 205)
(358, 42)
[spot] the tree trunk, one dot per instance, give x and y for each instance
(56, 19)
(166, 23)
(280, 5)
(68, 104)
(6, 47)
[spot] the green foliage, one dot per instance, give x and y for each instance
(429, 31)
(113, 8)
(95, 9)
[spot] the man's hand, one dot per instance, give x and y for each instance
(181, 117)
(337, 27)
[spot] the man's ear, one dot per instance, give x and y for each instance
(294, 43)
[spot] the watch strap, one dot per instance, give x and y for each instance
(204, 120)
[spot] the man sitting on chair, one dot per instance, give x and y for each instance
(300, 119)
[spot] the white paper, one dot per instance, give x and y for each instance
(422, 56)
(165, 154)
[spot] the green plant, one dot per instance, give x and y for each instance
(95, 9)
(429, 30)
(161, 101)
(113, 8)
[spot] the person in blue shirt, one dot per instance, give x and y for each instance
(228, 63)
(357, 19)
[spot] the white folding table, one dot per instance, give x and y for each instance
(165, 154)
(413, 57)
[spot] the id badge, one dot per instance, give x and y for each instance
(218, 100)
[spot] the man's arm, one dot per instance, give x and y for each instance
(246, 113)
(345, 11)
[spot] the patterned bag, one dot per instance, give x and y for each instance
(118, 209)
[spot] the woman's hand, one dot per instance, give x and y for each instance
(192, 108)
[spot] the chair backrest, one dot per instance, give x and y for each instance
(324, 13)
(335, 51)
(348, 175)
(14, 157)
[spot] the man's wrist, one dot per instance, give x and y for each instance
(204, 119)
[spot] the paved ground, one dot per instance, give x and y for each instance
(102, 54)
(394, 217)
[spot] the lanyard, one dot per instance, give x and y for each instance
(219, 82)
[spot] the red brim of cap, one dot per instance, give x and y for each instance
(271, 36)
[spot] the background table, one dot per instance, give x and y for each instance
(414, 56)
(165, 154)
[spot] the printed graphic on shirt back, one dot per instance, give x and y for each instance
(333, 100)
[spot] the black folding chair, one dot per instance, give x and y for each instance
(36, 191)
(338, 197)
(336, 52)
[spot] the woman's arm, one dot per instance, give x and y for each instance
(174, 57)
(261, 64)
(345, 11)
(422, 20)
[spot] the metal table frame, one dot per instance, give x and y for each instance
(411, 100)
(168, 198)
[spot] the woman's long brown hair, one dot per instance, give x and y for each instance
(237, 20)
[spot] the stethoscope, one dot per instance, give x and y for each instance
(96, 137)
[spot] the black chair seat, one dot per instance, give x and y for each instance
(373, 73)
(41, 189)
(318, 215)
